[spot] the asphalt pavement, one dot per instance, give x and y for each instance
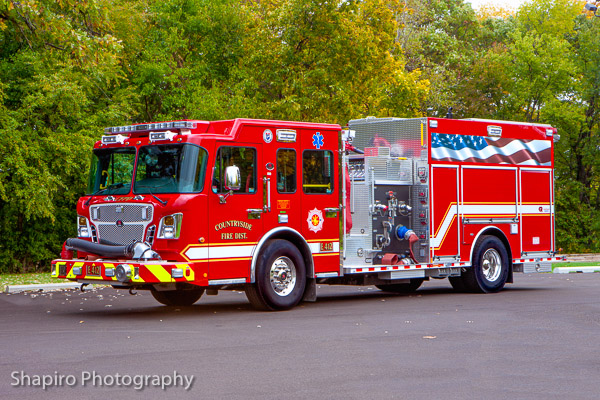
(538, 339)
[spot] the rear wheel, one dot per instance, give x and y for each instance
(177, 297)
(280, 277)
(489, 271)
(410, 287)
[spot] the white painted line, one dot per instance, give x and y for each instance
(567, 270)
(44, 286)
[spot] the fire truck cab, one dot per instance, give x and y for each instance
(272, 207)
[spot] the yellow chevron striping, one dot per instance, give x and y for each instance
(56, 271)
(185, 268)
(160, 273)
(71, 275)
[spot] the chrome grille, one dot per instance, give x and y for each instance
(121, 223)
(125, 234)
(121, 212)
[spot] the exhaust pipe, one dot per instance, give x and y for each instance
(135, 251)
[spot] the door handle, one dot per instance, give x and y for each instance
(331, 212)
(267, 191)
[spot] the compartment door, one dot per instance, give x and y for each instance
(444, 240)
(537, 210)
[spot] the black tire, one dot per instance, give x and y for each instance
(489, 270)
(178, 298)
(280, 277)
(410, 287)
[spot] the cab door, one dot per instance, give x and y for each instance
(234, 216)
(319, 214)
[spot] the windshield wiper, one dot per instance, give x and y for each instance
(114, 186)
(164, 203)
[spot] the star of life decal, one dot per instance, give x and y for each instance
(315, 220)
(318, 140)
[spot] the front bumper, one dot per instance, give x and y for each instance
(142, 273)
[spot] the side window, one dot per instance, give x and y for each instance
(317, 171)
(242, 157)
(286, 171)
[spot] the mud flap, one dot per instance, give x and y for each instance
(310, 293)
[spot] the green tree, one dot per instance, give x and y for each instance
(440, 38)
(327, 61)
(58, 64)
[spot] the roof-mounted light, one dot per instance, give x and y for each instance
(156, 136)
(114, 139)
(151, 127)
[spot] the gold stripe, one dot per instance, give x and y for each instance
(233, 244)
(443, 219)
(326, 254)
(492, 203)
(488, 215)
(230, 259)
(446, 234)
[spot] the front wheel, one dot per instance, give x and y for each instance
(178, 298)
(489, 271)
(280, 277)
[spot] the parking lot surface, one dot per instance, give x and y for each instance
(538, 339)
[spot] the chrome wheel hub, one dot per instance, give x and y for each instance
(283, 276)
(491, 265)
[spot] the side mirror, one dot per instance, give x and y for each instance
(232, 178)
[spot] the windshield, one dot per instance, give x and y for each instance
(173, 168)
(111, 171)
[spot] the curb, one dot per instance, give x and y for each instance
(43, 287)
(569, 270)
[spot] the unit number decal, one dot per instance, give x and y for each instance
(315, 220)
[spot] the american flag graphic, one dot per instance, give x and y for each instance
(479, 149)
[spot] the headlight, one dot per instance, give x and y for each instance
(83, 227)
(170, 226)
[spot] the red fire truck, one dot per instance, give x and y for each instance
(274, 208)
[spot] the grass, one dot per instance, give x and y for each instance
(576, 264)
(25, 279)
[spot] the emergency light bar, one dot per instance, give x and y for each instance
(151, 127)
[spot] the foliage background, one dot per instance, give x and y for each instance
(68, 68)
